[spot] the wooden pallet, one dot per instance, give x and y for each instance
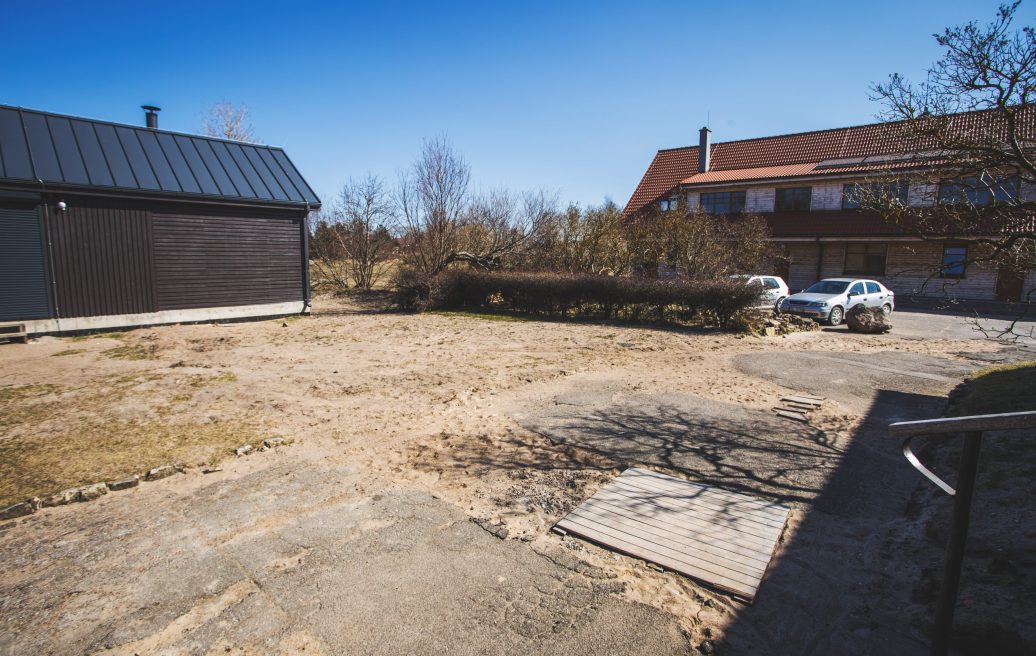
(797, 406)
(14, 332)
(724, 539)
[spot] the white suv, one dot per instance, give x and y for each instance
(829, 299)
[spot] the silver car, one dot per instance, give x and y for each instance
(827, 301)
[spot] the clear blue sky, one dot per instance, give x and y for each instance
(574, 97)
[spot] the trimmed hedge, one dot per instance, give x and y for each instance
(586, 295)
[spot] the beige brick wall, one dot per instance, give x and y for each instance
(693, 200)
(759, 199)
(826, 197)
(911, 268)
(802, 269)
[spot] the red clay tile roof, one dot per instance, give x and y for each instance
(792, 155)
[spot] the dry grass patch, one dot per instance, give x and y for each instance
(55, 437)
(205, 381)
(111, 335)
(14, 393)
(1000, 388)
(68, 352)
(107, 450)
(132, 352)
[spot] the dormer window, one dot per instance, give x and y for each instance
(793, 199)
(723, 202)
(667, 204)
(874, 194)
(979, 191)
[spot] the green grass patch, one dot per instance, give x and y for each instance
(1000, 388)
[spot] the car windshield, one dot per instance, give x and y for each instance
(828, 287)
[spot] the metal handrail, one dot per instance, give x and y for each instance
(967, 424)
(1005, 421)
(972, 427)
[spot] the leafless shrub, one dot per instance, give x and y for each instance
(702, 245)
(353, 241)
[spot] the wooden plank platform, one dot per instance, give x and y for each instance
(791, 413)
(724, 539)
(14, 332)
(810, 401)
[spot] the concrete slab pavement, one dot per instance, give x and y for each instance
(295, 558)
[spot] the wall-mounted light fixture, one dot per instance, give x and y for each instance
(62, 206)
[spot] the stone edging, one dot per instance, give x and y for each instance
(98, 490)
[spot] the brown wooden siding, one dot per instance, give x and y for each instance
(102, 260)
(215, 261)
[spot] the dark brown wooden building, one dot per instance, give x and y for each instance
(105, 225)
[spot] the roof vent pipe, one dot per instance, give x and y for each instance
(704, 148)
(151, 115)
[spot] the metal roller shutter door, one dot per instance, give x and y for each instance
(23, 272)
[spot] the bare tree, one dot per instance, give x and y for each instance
(352, 240)
(369, 222)
(443, 222)
(328, 263)
(432, 198)
(971, 129)
(228, 121)
(498, 226)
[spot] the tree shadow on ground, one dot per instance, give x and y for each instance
(839, 584)
(843, 582)
(723, 445)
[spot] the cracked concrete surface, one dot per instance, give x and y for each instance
(294, 558)
(358, 538)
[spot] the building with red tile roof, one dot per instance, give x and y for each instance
(803, 185)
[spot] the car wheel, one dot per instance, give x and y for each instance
(835, 318)
(777, 305)
(886, 309)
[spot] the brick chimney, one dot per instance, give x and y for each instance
(704, 148)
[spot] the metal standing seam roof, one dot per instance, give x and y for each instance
(73, 152)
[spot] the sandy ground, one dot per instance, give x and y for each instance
(475, 414)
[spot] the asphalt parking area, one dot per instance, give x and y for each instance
(919, 324)
(852, 378)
